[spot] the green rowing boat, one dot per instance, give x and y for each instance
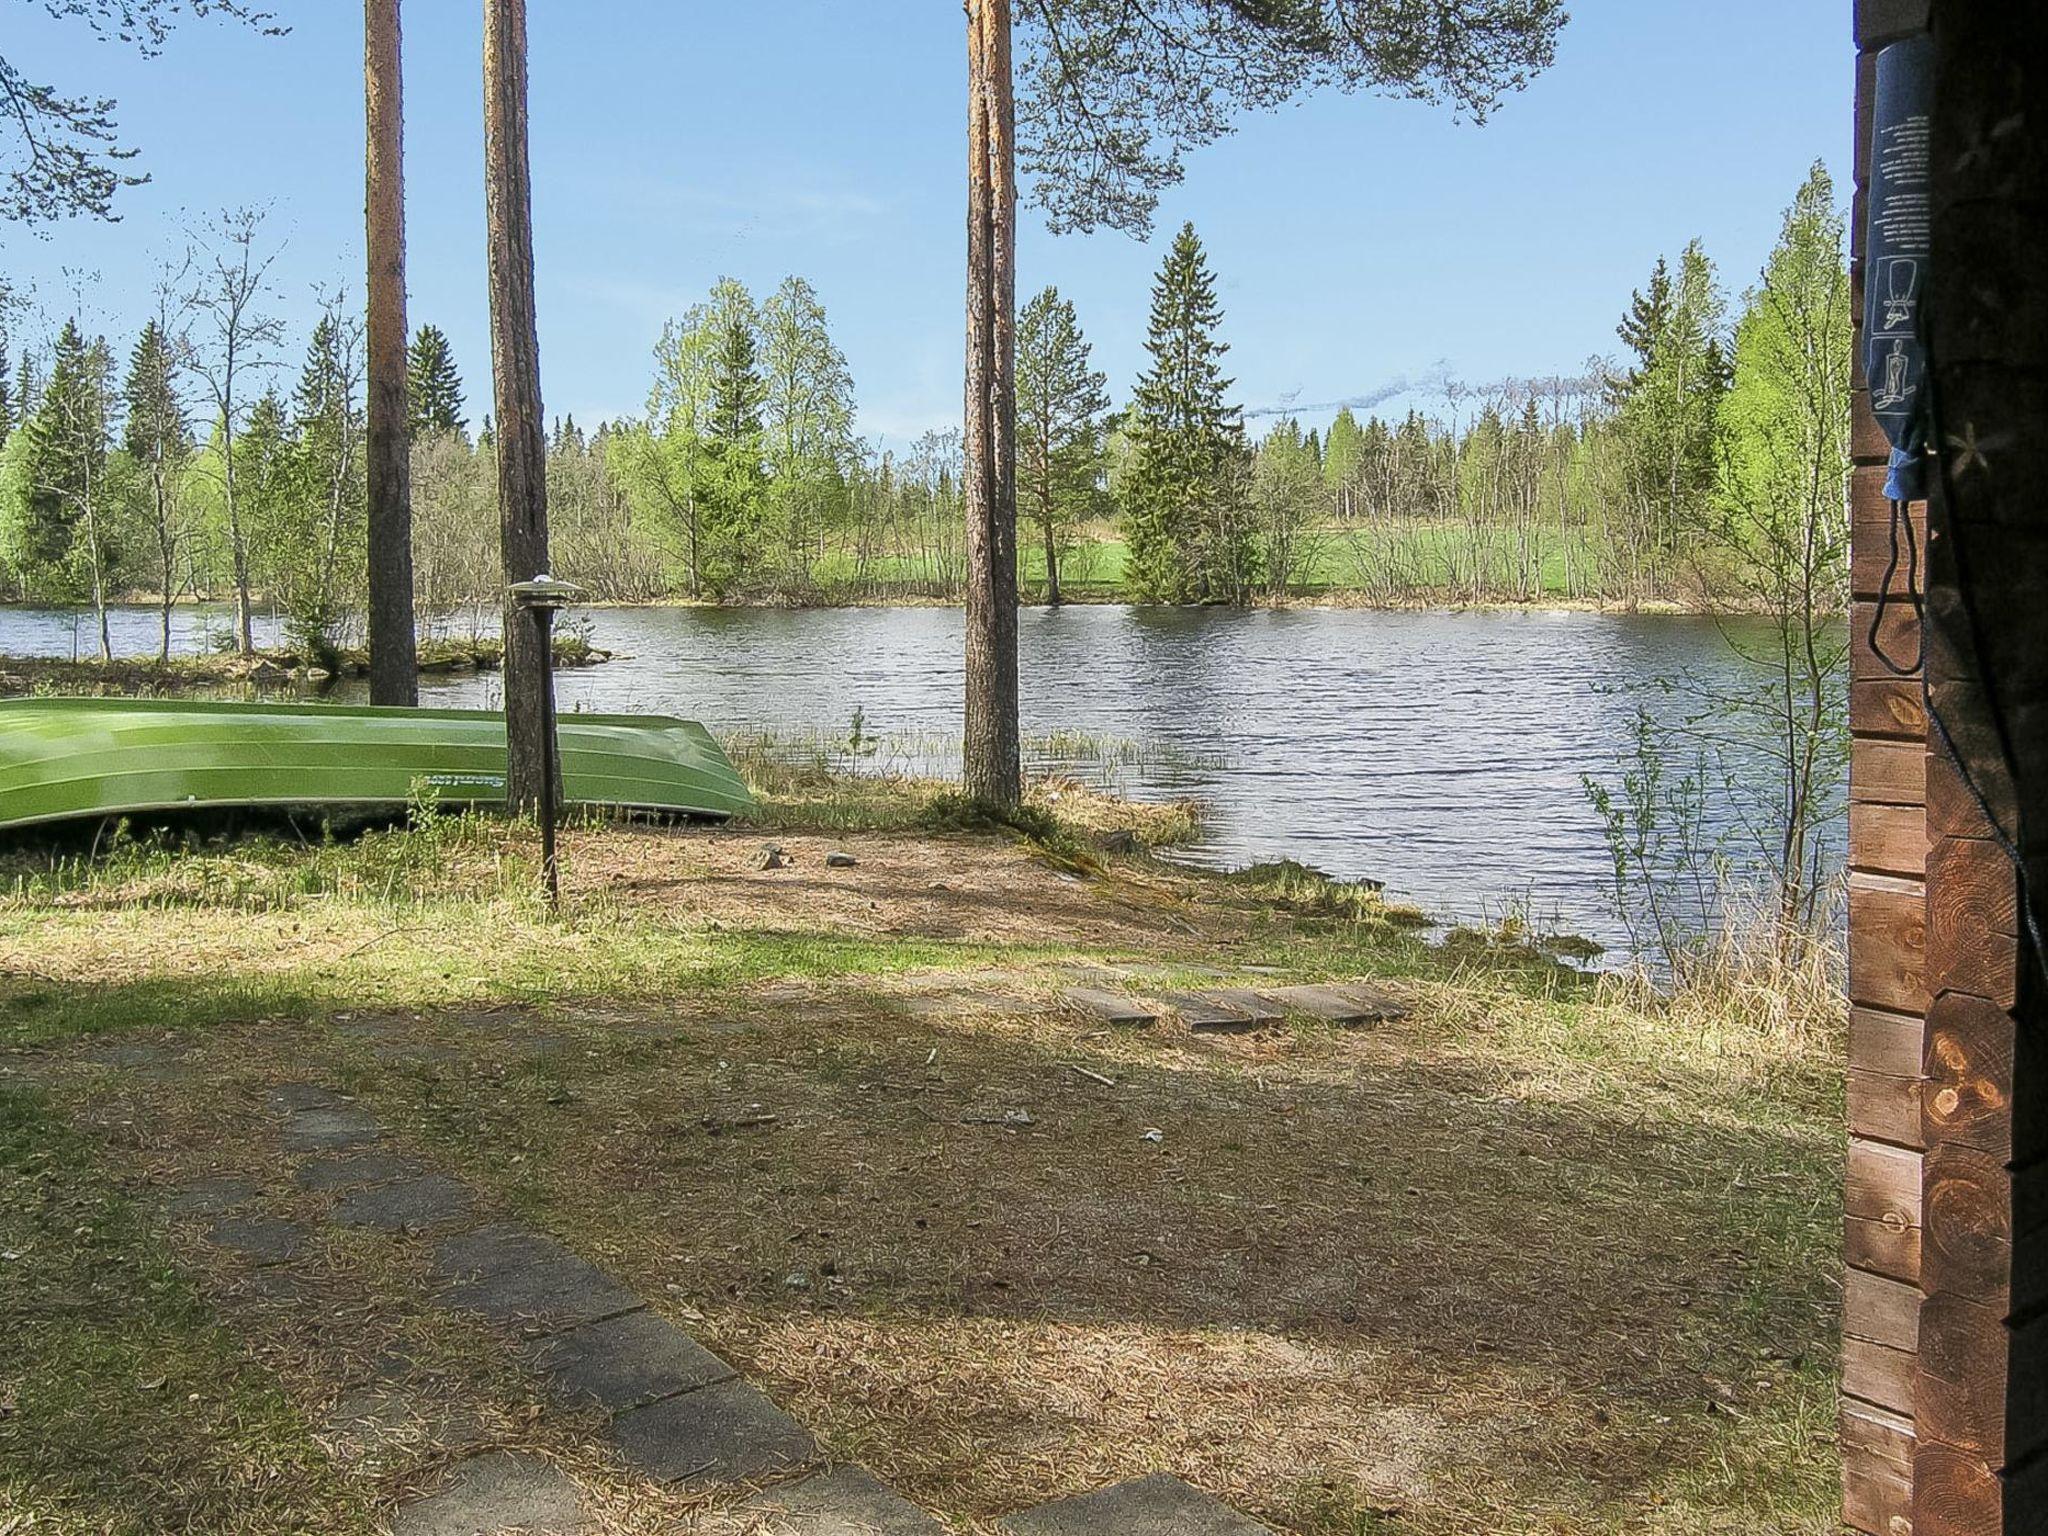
(67, 758)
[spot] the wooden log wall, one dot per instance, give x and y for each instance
(1882, 1300)
(1945, 1318)
(1981, 1389)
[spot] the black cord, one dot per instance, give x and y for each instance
(1902, 522)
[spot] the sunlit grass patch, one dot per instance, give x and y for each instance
(124, 1406)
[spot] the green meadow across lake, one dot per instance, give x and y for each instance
(62, 758)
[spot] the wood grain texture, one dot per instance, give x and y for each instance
(1877, 1469)
(1881, 1311)
(1968, 1065)
(1888, 839)
(1887, 772)
(1881, 1210)
(1887, 943)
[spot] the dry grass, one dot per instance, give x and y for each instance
(1537, 1259)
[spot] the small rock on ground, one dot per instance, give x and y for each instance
(848, 1502)
(1160, 1505)
(499, 1494)
(840, 859)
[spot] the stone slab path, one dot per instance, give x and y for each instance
(675, 1412)
(848, 1502)
(1214, 1014)
(499, 1493)
(1160, 1505)
(1109, 1007)
(1349, 1004)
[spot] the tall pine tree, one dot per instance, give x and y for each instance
(159, 444)
(66, 542)
(1667, 403)
(1191, 538)
(1061, 400)
(433, 387)
(735, 514)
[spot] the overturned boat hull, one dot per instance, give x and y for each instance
(66, 758)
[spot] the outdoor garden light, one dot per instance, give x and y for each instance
(543, 597)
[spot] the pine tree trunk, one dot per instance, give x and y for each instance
(515, 373)
(394, 657)
(991, 755)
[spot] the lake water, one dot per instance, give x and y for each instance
(1438, 752)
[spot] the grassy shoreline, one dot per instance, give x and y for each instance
(1478, 1269)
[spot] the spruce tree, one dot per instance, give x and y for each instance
(1061, 400)
(159, 444)
(1666, 403)
(67, 546)
(735, 501)
(433, 387)
(325, 478)
(1191, 538)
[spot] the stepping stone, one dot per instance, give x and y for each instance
(1208, 1015)
(626, 1362)
(1255, 1006)
(1160, 1505)
(145, 1062)
(261, 1240)
(499, 1494)
(288, 1098)
(515, 1276)
(725, 1433)
(412, 1205)
(329, 1130)
(1341, 1005)
(1110, 1007)
(356, 1171)
(214, 1195)
(848, 1502)
(380, 1428)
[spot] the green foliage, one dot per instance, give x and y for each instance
(1667, 401)
(1115, 94)
(1289, 497)
(1185, 502)
(129, 1408)
(433, 386)
(807, 424)
(1061, 400)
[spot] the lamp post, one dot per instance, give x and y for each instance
(541, 599)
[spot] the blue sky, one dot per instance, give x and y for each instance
(1355, 240)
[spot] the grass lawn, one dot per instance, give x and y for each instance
(1535, 1259)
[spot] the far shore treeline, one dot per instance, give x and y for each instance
(200, 459)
